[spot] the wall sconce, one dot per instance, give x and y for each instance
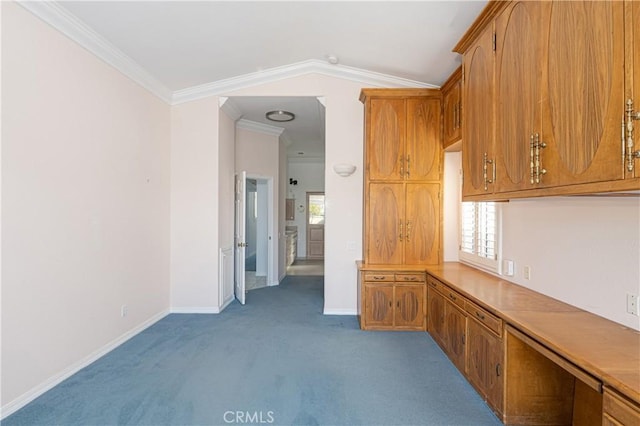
(344, 170)
(293, 181)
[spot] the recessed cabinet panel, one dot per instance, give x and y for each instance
(386, 223)
(423, 140)
(386, 141)
(584, 90)
(378, 301)
(485, 363)
(409, 306)
(518, 32)
(422, 229)
(477, 132)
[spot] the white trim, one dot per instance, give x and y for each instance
(195, 310)
(229, 107)
(254, 126)
(68, 24)
(312, 66)
(340, 312)
(55, 380)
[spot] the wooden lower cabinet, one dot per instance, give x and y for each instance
(392, 301)
(447, 322)
(485, 363)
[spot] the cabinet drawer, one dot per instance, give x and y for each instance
(417, 278)
(450, 294)
(489, 320)
(617, 408)
(378, 276)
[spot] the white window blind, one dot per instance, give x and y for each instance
(479, 234)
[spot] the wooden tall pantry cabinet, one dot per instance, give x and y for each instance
(402, 193)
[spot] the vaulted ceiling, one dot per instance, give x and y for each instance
(182, 45)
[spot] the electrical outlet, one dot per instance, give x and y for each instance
(632, 304)
(527, 272)
(124, 310)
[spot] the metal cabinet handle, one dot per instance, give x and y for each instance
(479, 315)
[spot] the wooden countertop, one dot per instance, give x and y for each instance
(607, 350)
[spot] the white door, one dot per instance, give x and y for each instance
(240, 240)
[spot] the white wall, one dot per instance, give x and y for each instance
(584, 251)
(226, 193)
(451, 205)
(195, 206)
(310, 177)
(85, 209)
(258, 155)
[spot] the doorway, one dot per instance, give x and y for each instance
(257, 233)
(315, 225)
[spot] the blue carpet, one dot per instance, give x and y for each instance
(276, 360)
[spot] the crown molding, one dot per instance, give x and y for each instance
(230, 108)
(313, 66)
(254, 126)
(68, 24)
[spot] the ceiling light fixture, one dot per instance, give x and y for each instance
(280, 116)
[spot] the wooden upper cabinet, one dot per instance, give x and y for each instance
(477, 132)
(518, 94)
(386, 148)
(583, 89)
(423, 150)
(402, 179)
(452, 108)
(555, 119)
(422, 224)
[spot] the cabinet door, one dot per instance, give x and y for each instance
(632, 91)
(451, 109)
(409, 309)
(518, 57)
(423, 146)
(435, 314)
(484, 363)
(378, 305)
(422, 228)
(477, 132)
(386, 139)
(583, 89)
(385, 224)
(456, 328)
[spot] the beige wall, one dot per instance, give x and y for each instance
(194, 206)
(85, 208)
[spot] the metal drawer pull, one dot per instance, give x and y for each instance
(479, 315)
(409, 278)
(377, 277)
(498, 370)
(452, 296)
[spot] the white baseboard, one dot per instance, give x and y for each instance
(55, 380)
(226, 303)
(196, 310)
(340, 312)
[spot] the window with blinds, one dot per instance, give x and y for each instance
(479, 234)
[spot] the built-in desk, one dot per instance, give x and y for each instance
(559, 360)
